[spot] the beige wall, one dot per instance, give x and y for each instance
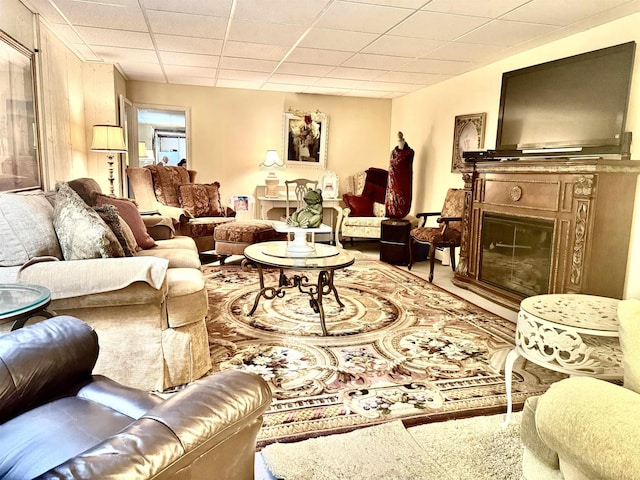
(231, 130)
(427, 119)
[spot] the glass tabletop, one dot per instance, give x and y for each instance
(19, 299)
(323, 257)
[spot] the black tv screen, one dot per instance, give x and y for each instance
(575, 104)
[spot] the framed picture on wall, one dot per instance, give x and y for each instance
(468, 134)
(305, 139)
(329, 185)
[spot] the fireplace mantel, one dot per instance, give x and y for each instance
(590, 203)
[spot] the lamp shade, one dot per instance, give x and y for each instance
(108, 138)
(272, 159)
(142, 150)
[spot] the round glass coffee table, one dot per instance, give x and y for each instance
(325, 259)
(570, 333)
(20, 302)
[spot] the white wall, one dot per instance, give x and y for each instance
(427, 119)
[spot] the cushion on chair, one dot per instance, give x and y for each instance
(360, 205)
(166, 181)
(434, 235)
(629, 329)
(129, 212)
(201, 200)
(453, 207)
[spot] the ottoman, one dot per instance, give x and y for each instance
(232, 238)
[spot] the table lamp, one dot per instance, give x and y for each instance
(109, 139)
(271, 161)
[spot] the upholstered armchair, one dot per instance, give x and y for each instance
(584, 428)
(447, 234)
(195, 209)
(59, 421)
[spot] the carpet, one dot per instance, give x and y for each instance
(400, 349)
(467, 449)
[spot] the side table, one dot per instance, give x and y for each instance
(569, 333)
(20, 302)
(395, 241)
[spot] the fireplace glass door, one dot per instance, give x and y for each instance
(516, 253)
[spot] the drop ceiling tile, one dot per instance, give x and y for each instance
(403, 46)
(189, 59)
(47, 10)
(280, 11)
(319, 57)
(233, 63)
(465, 52)
(437, 26)
(243, 84)
(197, 81)
(217, 8)
(390, 87)
(283, 87)
(485, 8)
(176, 43)
(146, 77)
(118, 54)
(338, 83)
(186, 71)
(141, 68)
(414, 4)
(85, 53)
(293, 79)
(336, 92)
(67, 34)
(121, 15)
(366, 93)
(361, 17)
(445, 67)
(355, 73)
(187, 25)
(115, 38)
(565, 12)
(255, 50)
(304, 69)
(330, 39)
(261, 32)
(414, 78)
(503, 32)
(243, 75)
(376, 62)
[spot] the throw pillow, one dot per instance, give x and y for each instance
(109, 214)
(128, 210)
(375, 186)
(201, 200)
(129, 236)
(26, 228)
(81, 232)
(360, 205)
(629, 330)
(166, 181)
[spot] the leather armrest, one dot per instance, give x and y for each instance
(593, 426)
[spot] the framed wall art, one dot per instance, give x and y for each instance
(329, 185)
(468, 134)
(19, 158)
(305, 139)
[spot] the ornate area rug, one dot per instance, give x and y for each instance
(400, 349)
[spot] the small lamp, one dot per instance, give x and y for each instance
(142, 150)
(110, 139)
(271, 161)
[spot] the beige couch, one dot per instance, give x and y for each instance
(587, 429)
(148, 310)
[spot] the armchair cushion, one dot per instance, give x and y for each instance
(360, 205)
(201, 200)
(80, 230)
(629, 330)
(36, 235)
(129, 212)
(166, 181)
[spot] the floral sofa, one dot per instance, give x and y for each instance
(145, 298)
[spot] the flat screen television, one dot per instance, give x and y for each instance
(572, 106)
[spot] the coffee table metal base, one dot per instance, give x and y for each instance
(315, 291)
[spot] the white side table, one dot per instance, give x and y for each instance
(569, 333)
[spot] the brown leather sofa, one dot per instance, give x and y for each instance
(57, 420)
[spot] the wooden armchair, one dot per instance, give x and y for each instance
(447, 234)
(195, 209)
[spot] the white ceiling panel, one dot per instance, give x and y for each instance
(187, 25)
(176, 43)
(330, 39)
(359, 17)
(370, 48)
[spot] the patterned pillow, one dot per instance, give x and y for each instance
(26, 228)
(360, 205)
(128, 210)
(109, 214)
(81, 232)
(129, 237)
(166, 181)
(201, 200)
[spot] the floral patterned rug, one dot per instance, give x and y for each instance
(400, 348)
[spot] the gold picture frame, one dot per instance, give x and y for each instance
(468, 134)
